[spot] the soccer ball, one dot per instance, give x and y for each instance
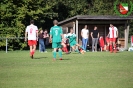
(82, 51)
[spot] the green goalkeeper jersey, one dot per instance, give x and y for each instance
(71, 37)
(56, 32)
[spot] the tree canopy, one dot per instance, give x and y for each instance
(16, 14)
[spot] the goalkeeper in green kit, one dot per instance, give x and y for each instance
(72, 41)
(56, 38)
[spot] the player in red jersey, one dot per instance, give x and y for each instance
(101, 42)
(113, 34)
(32, 32)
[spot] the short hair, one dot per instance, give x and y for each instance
(32, 21)
(55, 22)
(86, 25)
(71, 28)
(111, 24)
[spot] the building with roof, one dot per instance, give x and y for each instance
(102, 22)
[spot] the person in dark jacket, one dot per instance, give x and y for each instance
(41, 41)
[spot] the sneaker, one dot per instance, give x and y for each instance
(45, 51)
(61, 59)
(31, 56)
(67, 52)
(87, 50)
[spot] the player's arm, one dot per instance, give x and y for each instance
(98, 35)
(88, 34)
(117, 33)
(91, 34)
(109, 32)
(26, 36)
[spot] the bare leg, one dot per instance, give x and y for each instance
(107, 48)
(73, 47)
(30, 48)
(60, 53)
(111, 50)
(114, 47)
(31, 53)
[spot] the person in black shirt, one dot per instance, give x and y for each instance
(95, 36)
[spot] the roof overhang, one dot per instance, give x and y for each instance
(88, 17)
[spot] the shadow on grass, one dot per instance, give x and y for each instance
(40, 57)
(75, 53)
(65, 59)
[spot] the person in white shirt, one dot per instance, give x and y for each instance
(85, 37)
(113, 34)
(32, 32)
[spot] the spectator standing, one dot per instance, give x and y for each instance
(95, 36)
(46, 39)
(41, 41)
(85, 37)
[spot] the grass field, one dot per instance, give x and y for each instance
(91, 70)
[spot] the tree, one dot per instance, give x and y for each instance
(16, 15)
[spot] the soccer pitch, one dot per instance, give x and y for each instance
(91, 70)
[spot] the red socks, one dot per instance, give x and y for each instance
(65, 49)
(111, 49)
(107, 48)
(32, 53)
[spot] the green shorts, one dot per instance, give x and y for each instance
(56, 44)
(73, 43)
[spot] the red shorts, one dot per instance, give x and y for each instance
(32, 42)
(101, 43)
(107, 40)
(112, 39)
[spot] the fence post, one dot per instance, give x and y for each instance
(6, 44)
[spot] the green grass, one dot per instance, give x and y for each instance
(91, 70)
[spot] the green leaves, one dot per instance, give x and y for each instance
(16, 14)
